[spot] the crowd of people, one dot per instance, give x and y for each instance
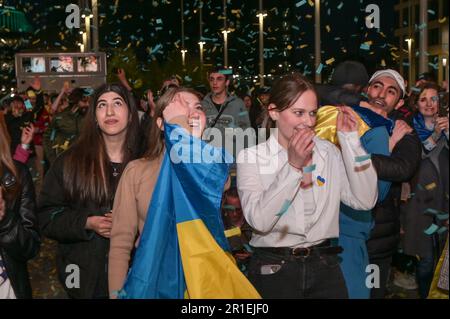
(344, 175)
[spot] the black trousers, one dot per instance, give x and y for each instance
(312, 277)
(385, 270)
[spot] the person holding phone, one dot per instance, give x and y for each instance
(291, 187)
(19, 235)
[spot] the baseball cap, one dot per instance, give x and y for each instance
(350, 72)
(393, 75)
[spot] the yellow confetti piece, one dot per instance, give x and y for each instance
(308, 16)
(289, 47)
(303, 46)
(311, 3)
(443, 20)
(55, 146)
(328, 28)
(431, 186)
(65, 146)
(395, 55)
(383, 62)
(369, 42)
(236, 231)
(36, 41)
(329, 61)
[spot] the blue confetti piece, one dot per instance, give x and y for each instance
(52, 135)
(227, 72)
(431, 12)
(442, 216)
(431, 230)
(432, 211)
(365, 46)
(422, 26)
(187, 78)
(340, 5)
(441, 230)
(158, 21)
(319, 68)
(244, 113)
(362, 158)
(300, 3)
(309, 169)
(284, 208)
(248, 248)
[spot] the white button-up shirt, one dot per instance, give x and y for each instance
(272, 204)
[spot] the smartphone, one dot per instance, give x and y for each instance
(270, 269)
(28, 105)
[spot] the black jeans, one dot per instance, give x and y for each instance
(313, 277)
(385, 271)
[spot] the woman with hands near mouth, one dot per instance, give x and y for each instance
(78, 191)
(291, 187)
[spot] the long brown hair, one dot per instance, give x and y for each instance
(86, 165)
(286, 91)
(6, 160)
(155, 145)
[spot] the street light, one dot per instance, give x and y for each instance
(225, 47)
(201, 44)
(410, 76)
(261, 15)
(183, 56)
(444, 63)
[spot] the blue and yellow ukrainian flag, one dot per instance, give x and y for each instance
(327, 116)
(183, 251)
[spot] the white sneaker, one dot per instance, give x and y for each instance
(405, 281)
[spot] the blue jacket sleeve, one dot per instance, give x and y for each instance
(376, 141)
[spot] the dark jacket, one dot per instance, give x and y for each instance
(64, 221)
(19, 236)
(398, 168)
(433, 169)
(62, 132)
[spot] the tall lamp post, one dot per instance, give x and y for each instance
(444, 63)
(225, 34)
(261, 15)
(410, 69)
(183, 50)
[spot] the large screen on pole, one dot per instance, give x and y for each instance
(33, 65)
(87, 63)
(61, 64)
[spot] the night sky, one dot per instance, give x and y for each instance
(150, 31)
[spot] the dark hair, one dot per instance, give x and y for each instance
(6, 162)
(221, 70)
(86, 164)
(286, 91)
(428, 77)
(232, 192)
(155, 145)
(76, 96)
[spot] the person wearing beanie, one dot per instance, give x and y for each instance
(347, 83)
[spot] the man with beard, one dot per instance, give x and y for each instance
(385, 96)
(66, 125)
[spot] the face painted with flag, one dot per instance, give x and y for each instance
(183, 251)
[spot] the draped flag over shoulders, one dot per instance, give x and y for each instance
(183, 251)
(327, 117)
